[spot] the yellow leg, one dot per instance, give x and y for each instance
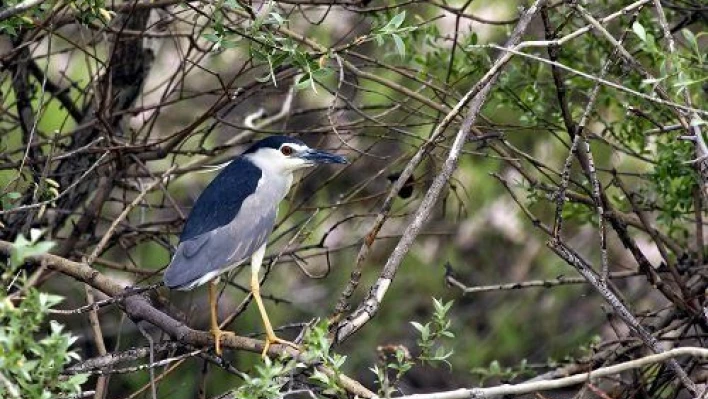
(215, 330)
(271, 338)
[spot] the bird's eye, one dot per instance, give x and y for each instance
(287, 151)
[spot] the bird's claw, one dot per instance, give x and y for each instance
(272, 339)
(218, 333)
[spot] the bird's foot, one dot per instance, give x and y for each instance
(272, 339)
(218, 333)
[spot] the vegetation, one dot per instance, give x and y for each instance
(31, 368)
(525, 199)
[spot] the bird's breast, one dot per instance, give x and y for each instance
(272, 188)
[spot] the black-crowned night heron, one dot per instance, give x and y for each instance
(233, 217)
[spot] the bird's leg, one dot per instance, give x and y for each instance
(271, 338)
(215, 330)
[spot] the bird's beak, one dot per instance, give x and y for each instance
(317, 157)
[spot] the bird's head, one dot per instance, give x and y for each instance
(288, 154)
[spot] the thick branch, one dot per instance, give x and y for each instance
(139, 309)
(370, 305)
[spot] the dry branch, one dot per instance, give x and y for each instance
(139, 309)
(370, 305)
(549, 385)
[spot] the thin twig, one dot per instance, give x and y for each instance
(19, 8)
(111, 229)
(539, 386)
(95, 322)
(550, 283)
(370, 305)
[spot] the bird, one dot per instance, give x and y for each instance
(232, 219)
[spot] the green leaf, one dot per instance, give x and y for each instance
(639, 31)
(395, 22)
(473, 39)
(303, 83)
(692, 82)
(651, 43)
(653, 81)
(690, 38)
(9, 29)
(229, 43)
(400, 45)
(39, 248)
(48, 301)
(279, 20)
(417, 326)
(212, 37)
(320, 377)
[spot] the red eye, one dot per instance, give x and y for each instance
(287, 151)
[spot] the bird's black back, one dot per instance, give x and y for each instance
(220, 202)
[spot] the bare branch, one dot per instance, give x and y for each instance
(370, 305)
(540, 386)
(19, 8)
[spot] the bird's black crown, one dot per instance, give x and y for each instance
(273, 142)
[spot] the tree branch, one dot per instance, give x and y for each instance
(19, 8)
(139, 309)
(538, 386)
(370, 305)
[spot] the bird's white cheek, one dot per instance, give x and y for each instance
(297, 163)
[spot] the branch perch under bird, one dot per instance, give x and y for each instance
(139, 309)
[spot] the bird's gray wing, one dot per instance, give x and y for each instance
(207, 255)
